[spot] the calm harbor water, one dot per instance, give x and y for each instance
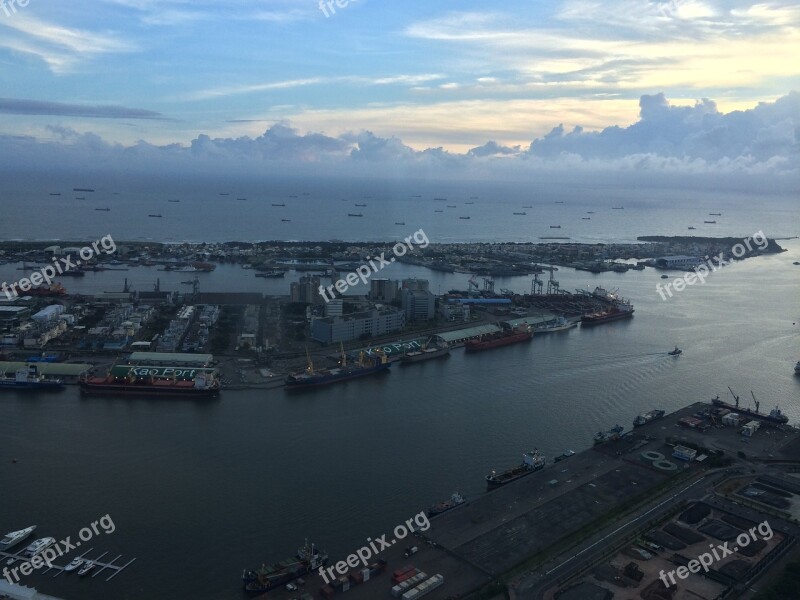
(198, 491)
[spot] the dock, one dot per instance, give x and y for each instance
(100, 567)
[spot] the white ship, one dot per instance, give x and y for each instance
(15, 537)
(39, 546)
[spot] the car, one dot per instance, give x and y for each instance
(290, 587)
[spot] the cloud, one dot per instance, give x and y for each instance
(15, 106)
(667, 141)
(688, 132)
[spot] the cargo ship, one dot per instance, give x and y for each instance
(427, 352)
(501, 338)
(314, 378)
(204, 385)
(774, 416)
(608, 436)
(28, 378)
(455, 501)
(268, 577)
(531, 462)
(647, 417)
(619, 309)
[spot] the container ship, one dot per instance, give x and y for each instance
(455, 501)
(269, 577)
(774, 416)
(314, 378)
(204, 385)
(427, 352)
(28, 378)
(608, 436)
(531, 462)
(501, 338)
(647, 417)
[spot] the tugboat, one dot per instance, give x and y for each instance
(455, 501)
(268, 577)
(675, 352)
(531, 462)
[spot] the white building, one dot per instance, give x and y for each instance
(351, 327)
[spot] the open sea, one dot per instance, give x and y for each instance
(200, 490)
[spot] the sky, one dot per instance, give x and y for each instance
(453, 86)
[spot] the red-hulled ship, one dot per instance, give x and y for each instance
(204, 385)
(502, 338)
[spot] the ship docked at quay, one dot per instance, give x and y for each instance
(645, 418)
(427, 352)
(608, 436)
(616, 308)
(268, 577)
(522, 333)
(775, 416)
(203, 385)
(28, 378)
(531, 462)
(364, 366)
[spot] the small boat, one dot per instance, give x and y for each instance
(360, 205)
(617, 208)
(355, 215)
(559, 202)
(241, 198)
(675, 352)
(714, 214)
(665, 277)
(224, 193)
(55, 193)
(280, 204)
(451, 205)
(465, 218)
(438, 211)
(709, 222)
(80, 197)
(520, 213)
(76, 562)
(692, 227)
(586, 218)
(155, 216)
(527, 206)
(455, 501)
(469, 203)
(87, 566)
(555, 226)
(286, 220)
(399, 222)
(589, 212)
(173, 200)
(103, 209)
(567, 454)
